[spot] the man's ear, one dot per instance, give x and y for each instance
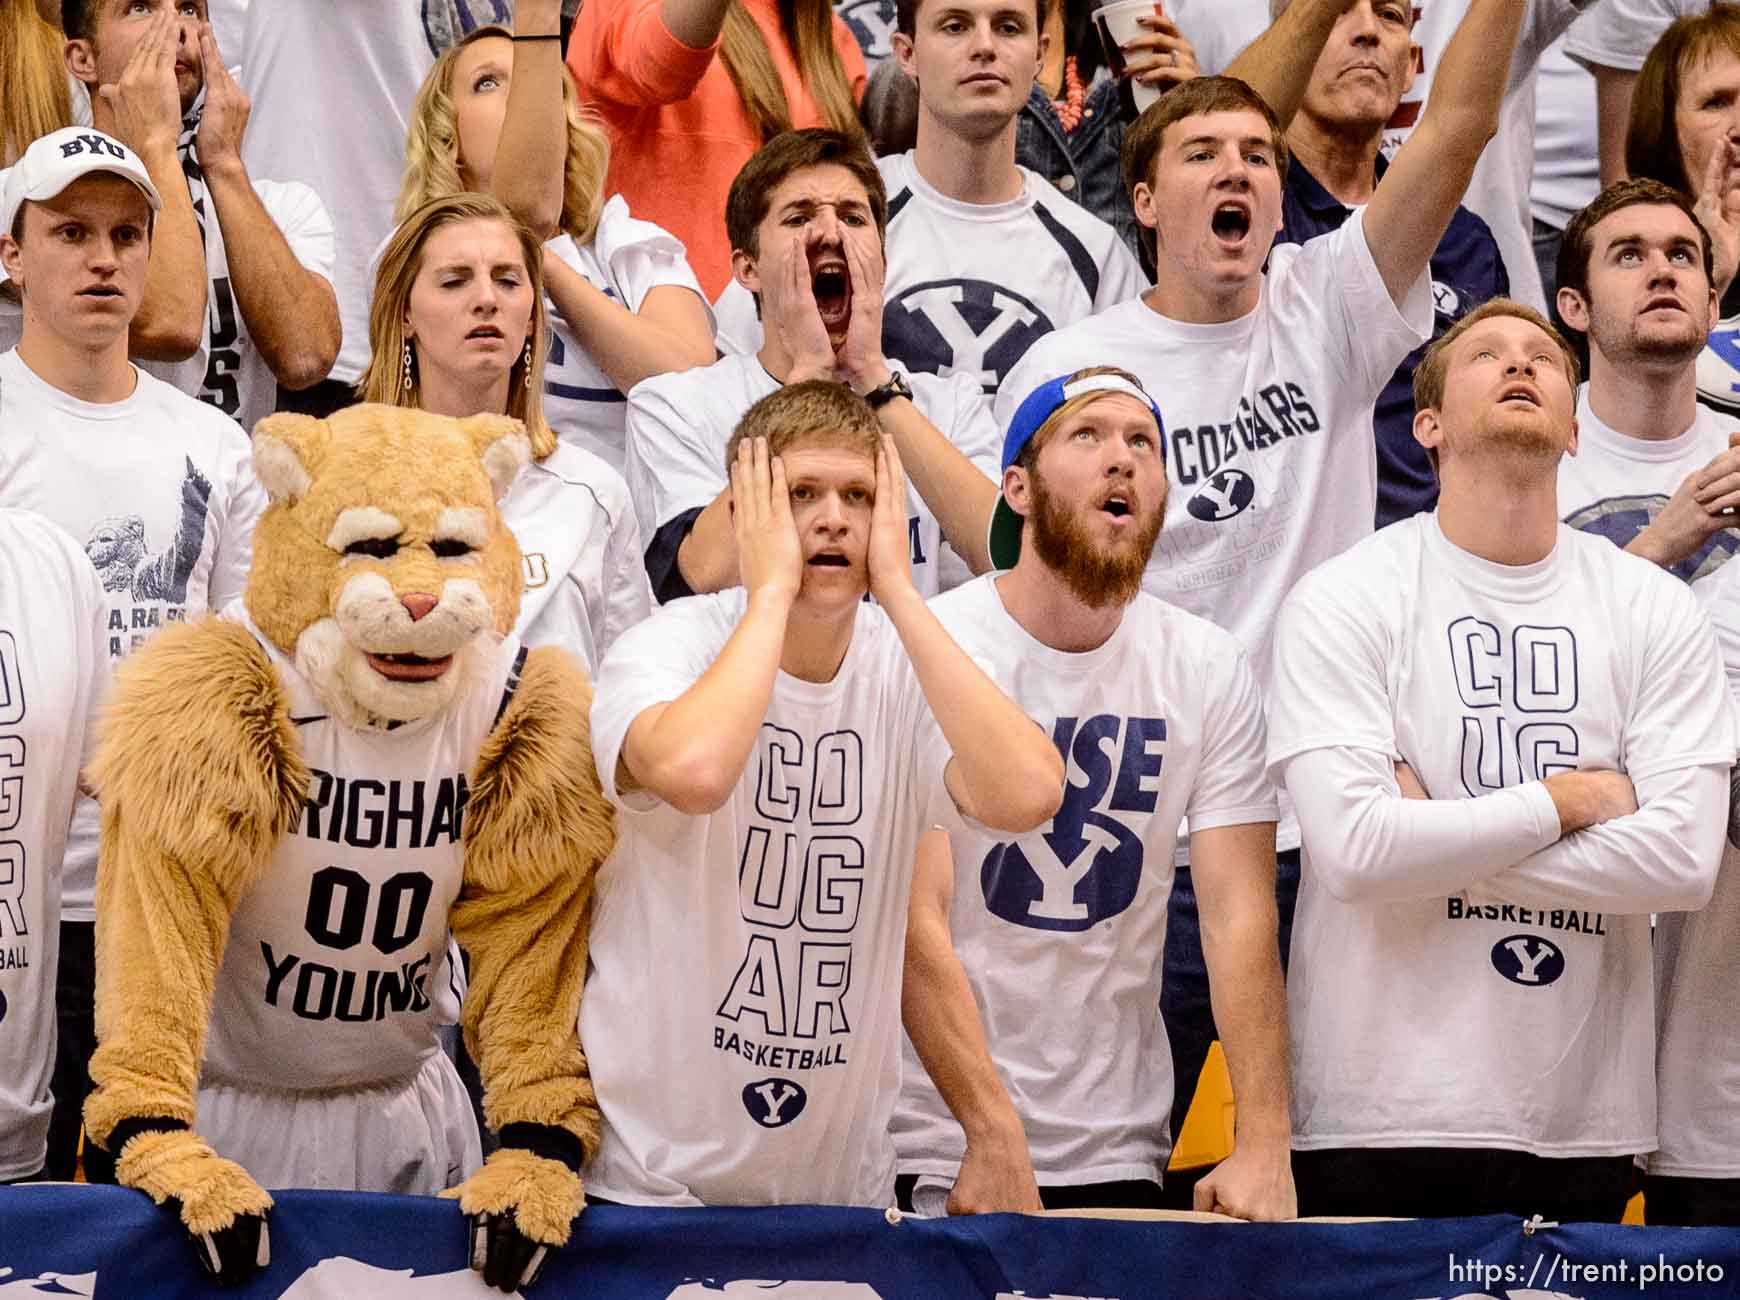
(1428, 429)
(12, 261)
(1573, 310)
(1142, 200)
(1571, 446)
(1414, 61)
(1018, 490)
(745, 271)
(81, 61)
(901, 44)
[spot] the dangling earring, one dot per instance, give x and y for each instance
(527, 380)
(405, 383)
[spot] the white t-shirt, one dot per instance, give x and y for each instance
(1160, 721)
(159, 489)
(334, 950)
(971, 286)
(1271, 458)
(679, 424)
(1616, 484)
(1499, 190)
(1620, 33)
(742, 1008)
(346, 142)
(1697, 968)
(627, 259)
(53, 661)
(1567, 161)
(585, 579)
(1486, 679)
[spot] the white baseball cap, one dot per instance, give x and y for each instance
(59, 158)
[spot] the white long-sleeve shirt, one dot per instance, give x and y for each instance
(1461, 975)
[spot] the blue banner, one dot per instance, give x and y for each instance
(104, 1242)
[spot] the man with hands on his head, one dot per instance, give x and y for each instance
(806, 217)
(775, 751)
(238, 298)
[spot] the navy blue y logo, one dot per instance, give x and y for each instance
(1086, 867)
(1528, 959)
(947, 327)
(774, 1103)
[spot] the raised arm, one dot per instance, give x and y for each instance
(1005, 773)
(691, 751)
(532, 152)
(942, 1019)
(291, 312)
(1413, 204)
(644, 53)
(1278, 64)
(1234, 871)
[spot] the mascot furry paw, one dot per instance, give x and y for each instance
(301, 798)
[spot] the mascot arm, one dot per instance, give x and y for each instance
(537, 829)
(199, 774)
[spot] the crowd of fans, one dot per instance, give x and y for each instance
(1337, 459)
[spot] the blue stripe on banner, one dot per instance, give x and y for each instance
(105, 1242)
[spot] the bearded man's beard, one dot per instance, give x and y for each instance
(1097, 575)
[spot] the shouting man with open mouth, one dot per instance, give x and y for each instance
(807, 217)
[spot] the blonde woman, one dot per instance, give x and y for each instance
(691, 88)
(624, 302)
(457, 327)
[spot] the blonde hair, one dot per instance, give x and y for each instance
(808, 26)
(384, 380)
(432, 147)
(36, 100)
(815, 410)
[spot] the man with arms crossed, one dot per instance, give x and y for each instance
(775, 751)
(156, 485)
(1158, 716)
(1655, 471)
(1508, 743)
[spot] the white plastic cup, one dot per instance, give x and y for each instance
(1117, 24)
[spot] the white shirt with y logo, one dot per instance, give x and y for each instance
(1061, 930)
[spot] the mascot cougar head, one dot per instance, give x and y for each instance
(382, 556)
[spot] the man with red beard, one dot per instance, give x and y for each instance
(807, 217)
(1157, 716)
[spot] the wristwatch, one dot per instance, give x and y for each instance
(886, 393)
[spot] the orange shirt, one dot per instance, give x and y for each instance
(678, 129)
